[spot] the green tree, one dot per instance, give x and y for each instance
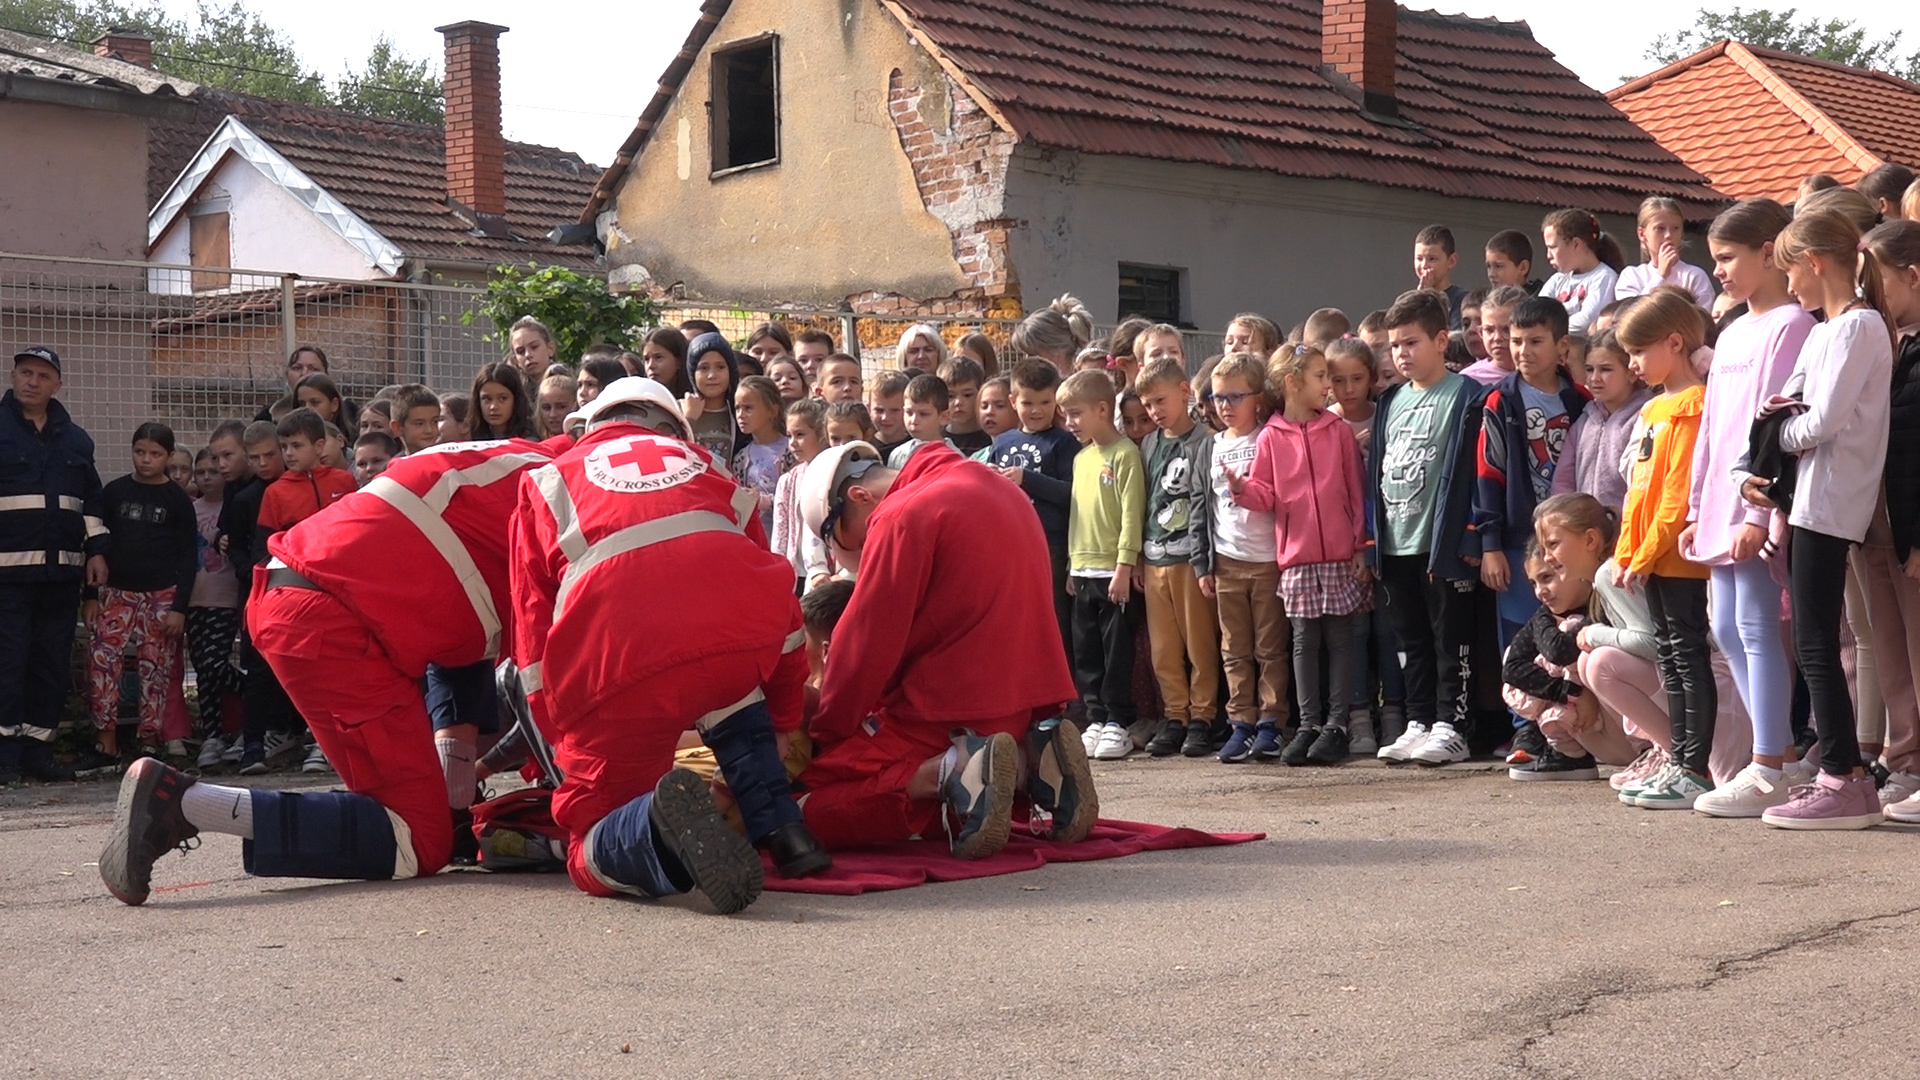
(1841, 41)
(391, 85)
(577, 307)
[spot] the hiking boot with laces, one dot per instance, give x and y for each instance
(147, 823)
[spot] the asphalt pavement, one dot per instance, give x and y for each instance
(1395, 923)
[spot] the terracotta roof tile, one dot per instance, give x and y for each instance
(1756, 121)
(393, 175)
(1488, 112)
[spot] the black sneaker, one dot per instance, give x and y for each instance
(38, 763)
(1199, 739)
(1169, 739)
(1060, 782)
(1528, 744)
(147, 823)
(96, 762)
(979, 793)
(1297, 747)
(720, 861)
(1330, 748)
(1554, 765)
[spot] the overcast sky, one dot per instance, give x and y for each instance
(576, 73)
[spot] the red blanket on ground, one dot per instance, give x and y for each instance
(916, 862)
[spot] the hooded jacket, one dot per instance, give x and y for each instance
(1503, 492)
(1308, 477)
(1453, 526)
(697, 348)
(50, 510)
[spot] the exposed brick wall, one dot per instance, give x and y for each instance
(1358, 38)
(959, 163)
(476, 150)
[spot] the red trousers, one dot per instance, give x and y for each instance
(856, 789)
(619, 751)
(368, 716)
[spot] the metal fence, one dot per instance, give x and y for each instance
(193, 346)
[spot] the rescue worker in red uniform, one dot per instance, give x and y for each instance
(639, 522)
(944, 685)
(354, 604)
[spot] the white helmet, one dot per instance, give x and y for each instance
(632, 390)
(820, 495)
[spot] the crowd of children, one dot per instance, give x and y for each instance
(1613, 517)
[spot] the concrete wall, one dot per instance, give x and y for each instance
(74, 181)
(1248, 241)
(269, 230)
(839, 214)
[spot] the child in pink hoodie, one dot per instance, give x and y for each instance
(1306, 472)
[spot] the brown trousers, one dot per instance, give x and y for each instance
(1254, 646)
(1184, 628)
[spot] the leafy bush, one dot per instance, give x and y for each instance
(576, 307)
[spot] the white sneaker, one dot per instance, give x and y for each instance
(1906, 810)
(1114, 743)
(1360, 738)
(316, 761)
(210, 752)
(1090, 737)
(231, 755)
(1442, 746)
(1402, 748)
(176, 749)
(1747, 795)
(1899, 787)
(280, 744)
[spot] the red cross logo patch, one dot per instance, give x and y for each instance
(642, 463)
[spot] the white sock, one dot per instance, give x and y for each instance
(1771, 774)
(216, 809)
(456, 761)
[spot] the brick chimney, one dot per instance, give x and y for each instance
(132, 46)
(1359, 39)
(476, 151)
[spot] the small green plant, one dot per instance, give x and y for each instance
(576, 307)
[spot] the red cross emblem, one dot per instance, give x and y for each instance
(642, 463)
(650, 456)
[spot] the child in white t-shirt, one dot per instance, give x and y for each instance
(1253, 624)
(1584, 277)
(1661, 230)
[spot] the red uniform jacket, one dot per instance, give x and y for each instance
(636, 557)
(295, 497)
(420, 554)
(952, 618)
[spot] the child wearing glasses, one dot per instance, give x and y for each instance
(1253, 623)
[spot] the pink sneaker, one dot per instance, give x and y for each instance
(1830, 802)
(1650, 761)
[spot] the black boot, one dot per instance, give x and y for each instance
(744, 746)
(10, 750)
(796, 851)
(38, 762)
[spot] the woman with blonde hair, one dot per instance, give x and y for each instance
(1056, 333)
(920, 349)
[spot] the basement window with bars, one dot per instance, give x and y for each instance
(1151, 292)
(745, 107)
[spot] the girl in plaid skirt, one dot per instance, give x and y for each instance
(1306, 472)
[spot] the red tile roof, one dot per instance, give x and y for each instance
(393, 175)
(1485, 110)
(1756, 121)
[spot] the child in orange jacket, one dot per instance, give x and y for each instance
(1662, 334)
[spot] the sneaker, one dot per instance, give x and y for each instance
(1443, 746)
(720, 861)
(1830, 802)
(1199, 740)
(1059, 781)
(253, 760)
(1906, 811)
(1900, 786)
(147, 823)
(1297, 747)
(316, 761)
(1650, 761)
(1167, 742)
(979, 793)
(1266, 741)
(236, 747)
(1402, 748)
(1528, 744)
(1748, 795)
(1800, 772)
(280, 744)
(1090, 738)
(1240, 746)
(1554, 765)
(1331, 747)
(38, 763)
(1360, 738)
(1675, 789)
(1113, 743)
(96, 762)
(210, 752)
